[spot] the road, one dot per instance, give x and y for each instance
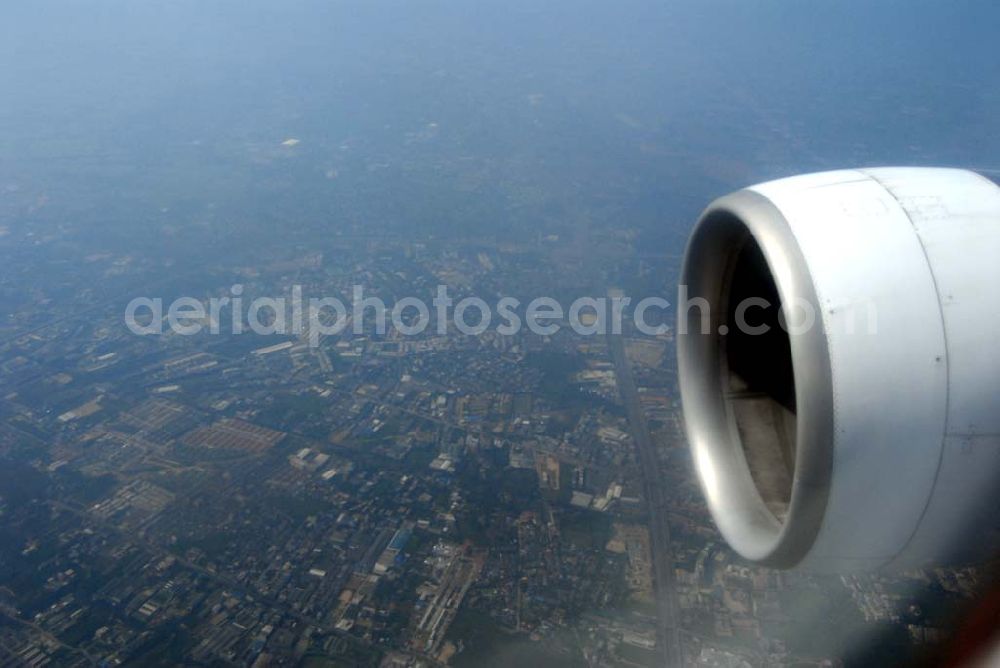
(668, 638)
(48, 637)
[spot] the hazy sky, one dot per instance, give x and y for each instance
(651, 106)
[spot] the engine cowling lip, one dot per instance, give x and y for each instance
(733, 500)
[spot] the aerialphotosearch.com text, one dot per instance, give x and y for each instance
(313, 318)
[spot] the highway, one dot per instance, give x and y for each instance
(668, 638)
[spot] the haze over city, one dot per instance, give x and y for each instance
(357, 495)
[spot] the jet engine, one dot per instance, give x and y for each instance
(839, 364)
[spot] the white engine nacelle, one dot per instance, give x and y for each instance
(869, 436)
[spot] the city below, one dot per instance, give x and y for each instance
(380, 499)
